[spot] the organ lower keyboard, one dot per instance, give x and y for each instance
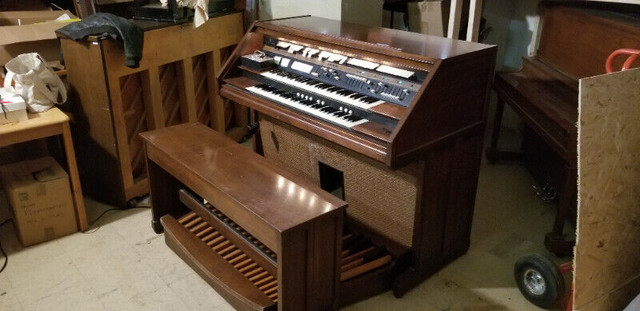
(342, 116)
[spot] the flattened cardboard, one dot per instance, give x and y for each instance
(30, 31)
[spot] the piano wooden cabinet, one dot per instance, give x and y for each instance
(575, 41)
(264, 238)
(390, 121)
(175, 83)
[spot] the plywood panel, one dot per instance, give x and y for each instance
(607, 261)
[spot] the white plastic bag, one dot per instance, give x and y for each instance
(35, 81)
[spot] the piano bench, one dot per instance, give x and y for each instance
(549, 109)
(257, 234)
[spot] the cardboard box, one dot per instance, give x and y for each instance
(426, 17)
(12, 108)
(40, 198)
(31, 31)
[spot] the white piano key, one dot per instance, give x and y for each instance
(298, 106)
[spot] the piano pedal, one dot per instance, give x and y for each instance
(264, 281)
(360, 255)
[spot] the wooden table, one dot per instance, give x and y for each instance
(42, 125)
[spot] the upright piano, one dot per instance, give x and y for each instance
(575, 39)
(387, 122)
(390, 121)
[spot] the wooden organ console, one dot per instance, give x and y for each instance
(391, 122)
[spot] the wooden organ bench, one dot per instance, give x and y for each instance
(575, 42)
(261, 236)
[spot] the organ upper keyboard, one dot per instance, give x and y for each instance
(386, 94)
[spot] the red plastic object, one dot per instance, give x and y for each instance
(564, 268)
(633, 56)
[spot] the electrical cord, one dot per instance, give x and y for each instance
(6, 258)
(99, 218)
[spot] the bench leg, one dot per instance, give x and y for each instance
(164, 194)
(493, 154)
(555, 241)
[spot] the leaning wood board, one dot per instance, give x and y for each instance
(174, 84)
(607, 261)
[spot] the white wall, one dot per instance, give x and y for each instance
(365, 12)
(284, 8)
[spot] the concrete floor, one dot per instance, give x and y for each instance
(121, 264)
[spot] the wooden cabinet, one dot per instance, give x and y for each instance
(175, 83)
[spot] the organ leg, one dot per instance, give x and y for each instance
(493, 154)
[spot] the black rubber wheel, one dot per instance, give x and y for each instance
(539, 280)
